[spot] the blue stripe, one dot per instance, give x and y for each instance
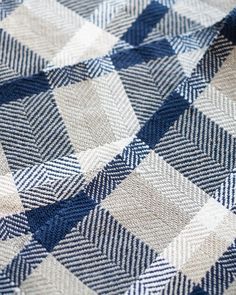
(144, 23)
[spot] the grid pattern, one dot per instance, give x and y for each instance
(117, 147)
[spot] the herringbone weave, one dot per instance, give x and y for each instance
(118, 147)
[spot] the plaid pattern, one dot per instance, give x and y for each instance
(117, 147)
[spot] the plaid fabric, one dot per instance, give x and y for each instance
(117, 147)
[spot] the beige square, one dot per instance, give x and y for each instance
(145, 212)
(96, 113)
(117, 105)
(51, 277)
(86, 121)
(168, 182)
(41, 26)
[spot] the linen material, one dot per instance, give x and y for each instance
(117, 147)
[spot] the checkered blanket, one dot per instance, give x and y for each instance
(117, 147)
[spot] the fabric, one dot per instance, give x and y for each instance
(117, 147)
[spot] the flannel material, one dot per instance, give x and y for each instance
(118, 147)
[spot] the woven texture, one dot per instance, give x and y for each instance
(118, 147)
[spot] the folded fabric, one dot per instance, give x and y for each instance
(118, 147)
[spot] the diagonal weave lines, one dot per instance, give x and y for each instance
(117, 147)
